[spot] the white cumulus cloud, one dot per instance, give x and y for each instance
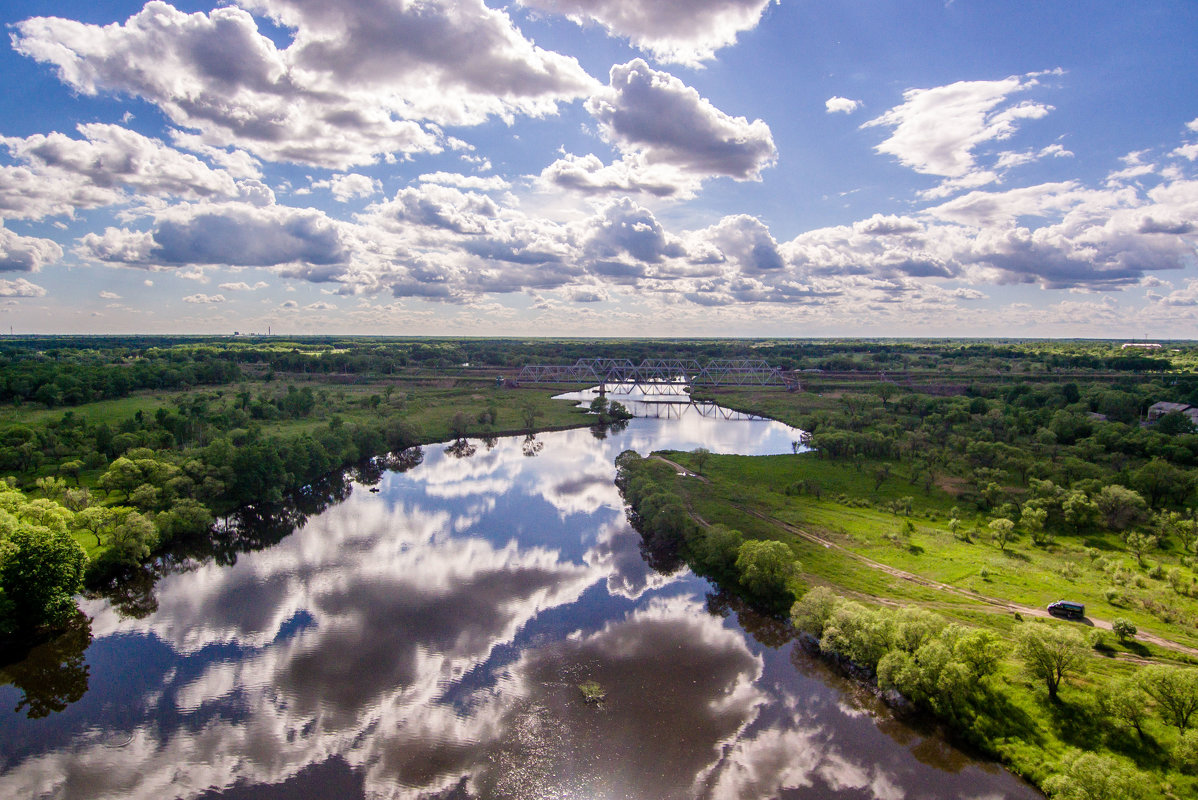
(25, 253)
(680, 31)
(671, 139)
(841, 105)
(653, 113)
(242, 286)
(938, 131)
(346, 187)
(230, 234)
(356, 82)
(20, 288)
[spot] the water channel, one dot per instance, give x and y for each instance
(428, 639)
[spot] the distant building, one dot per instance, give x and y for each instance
(1141, 345)
(1158, 410)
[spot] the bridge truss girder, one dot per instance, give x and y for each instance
(657, 372)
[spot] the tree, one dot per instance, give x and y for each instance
(1175, 691)
(1138, 543)
(529, 414)
(699, 456)
(1185, 752)
(146, 497)
(881, 473)
(1124, 628)
(53, 488)
(186, 517)
(766, 569)
(96, 520)
(1175, 423)
(1079, 511)
(71, 469)
(122, 476)
(132, 539)
(616, 410)
(1090, 776)
(1160, 482)
(859, 634)
(40, 574)
(77, 499)
(1032, 518)
(885, 390)
(1050, 653)
(813, 610)
(1120, 507)
(1125, 702)
(1003, 531)
(459, 426)
(719, 550)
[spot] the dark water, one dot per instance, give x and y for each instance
(428, 640)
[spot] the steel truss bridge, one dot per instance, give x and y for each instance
(658, 374)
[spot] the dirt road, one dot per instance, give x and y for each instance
(994, 602)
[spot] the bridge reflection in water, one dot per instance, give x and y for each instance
(672, 409)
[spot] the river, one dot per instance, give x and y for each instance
(428, 640)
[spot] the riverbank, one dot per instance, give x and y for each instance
(891, 570)
(129, 478)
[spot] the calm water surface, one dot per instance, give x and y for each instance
(427, 641)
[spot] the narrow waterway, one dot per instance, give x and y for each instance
(428, 640)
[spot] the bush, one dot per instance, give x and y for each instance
(1089, 776)
(1123, 628)
(1185, 752)
(766, 569)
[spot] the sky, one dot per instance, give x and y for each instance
(601, 168)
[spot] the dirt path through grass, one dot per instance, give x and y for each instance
(998, 604)
(994, 602)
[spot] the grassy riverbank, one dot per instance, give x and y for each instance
(978, 504)
(866, 556)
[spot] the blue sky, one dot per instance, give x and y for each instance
(601, 167)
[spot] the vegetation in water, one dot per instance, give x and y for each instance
(592, 692)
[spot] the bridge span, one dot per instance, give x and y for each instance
(659, 373)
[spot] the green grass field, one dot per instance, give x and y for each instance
(865, 544)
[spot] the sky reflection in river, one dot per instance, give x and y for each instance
(428, 641)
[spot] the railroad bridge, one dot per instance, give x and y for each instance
(661, 373)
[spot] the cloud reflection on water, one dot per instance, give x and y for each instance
(430, 639)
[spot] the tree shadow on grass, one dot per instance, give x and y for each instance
(1146, 751)
(1078, 720)
(1138, 648)
(997, 718)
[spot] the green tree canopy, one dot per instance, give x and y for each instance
(40, 572)
(766, 569)
(1051, 653)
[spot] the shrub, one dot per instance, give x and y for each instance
(1123, 628)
